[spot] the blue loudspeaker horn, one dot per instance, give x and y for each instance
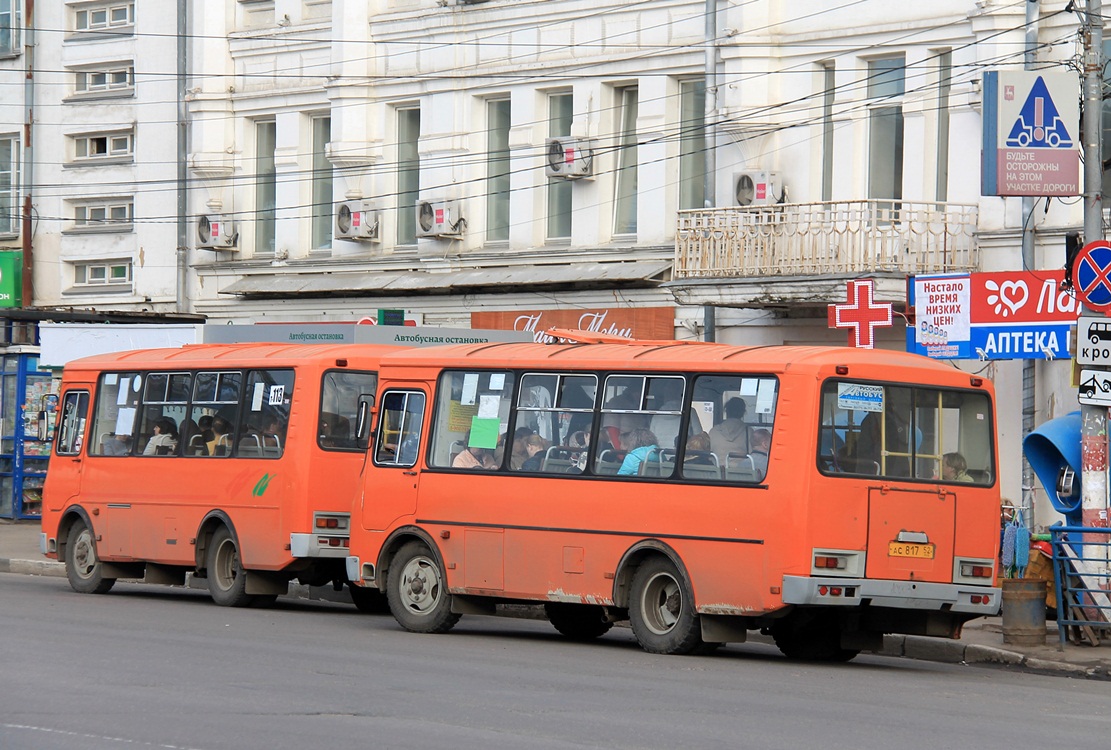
(1053, 450)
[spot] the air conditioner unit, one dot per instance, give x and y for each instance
(357, 220)
(216, 232)
(440, 219)
(569, 158)
(757, 188)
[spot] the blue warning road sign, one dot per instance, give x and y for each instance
(1031, 128)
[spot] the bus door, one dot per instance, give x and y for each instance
(390, 492)
(66, 469)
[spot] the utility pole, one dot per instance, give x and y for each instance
(1029, 371)
(27, 290)
(1093, 431)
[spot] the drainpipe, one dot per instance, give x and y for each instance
(710, 137)
(27, 290)
(1029, 390)
(182, 302)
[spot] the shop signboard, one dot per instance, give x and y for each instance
(11, 279)
(999, 315)
(652, 323)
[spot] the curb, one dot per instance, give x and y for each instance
(33, 567)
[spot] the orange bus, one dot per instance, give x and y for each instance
(700, 491)
(233, 462)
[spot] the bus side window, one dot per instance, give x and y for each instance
(117, 406)
(472, 410)
(398, 438)
(71, 435)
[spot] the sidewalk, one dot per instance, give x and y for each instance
(981, 642)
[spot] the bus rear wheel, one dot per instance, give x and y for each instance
(661, 610)
(227, 582)
(579, 622)
(417, 591)
(83, 568)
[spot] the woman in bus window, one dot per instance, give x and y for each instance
(164, 440)
(642, 444)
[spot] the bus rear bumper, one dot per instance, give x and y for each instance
(855, 592)
(318, 545)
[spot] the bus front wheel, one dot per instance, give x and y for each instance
(417, 591)
(661, 610)
(83, 568)
(227, 582)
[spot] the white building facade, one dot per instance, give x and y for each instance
(299, 109)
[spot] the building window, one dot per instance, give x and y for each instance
(103, 17)
(115, 79)
(829, 85)
(497, 170)
(104, 147)
(559, 191)
(625, 190)
(408, 174)
(9, 185)
(692, 144)
(321, 183)
(265, 187)
(886, 86)
(9, 27)
(944, 88)
(115, 214)
(101, 273)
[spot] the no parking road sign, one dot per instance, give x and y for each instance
(1091, 275)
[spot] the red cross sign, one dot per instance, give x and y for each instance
(861, 315)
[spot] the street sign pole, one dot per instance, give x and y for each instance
(1093, 431)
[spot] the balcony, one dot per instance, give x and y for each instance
(796, 253)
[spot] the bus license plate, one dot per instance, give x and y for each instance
(903, 549)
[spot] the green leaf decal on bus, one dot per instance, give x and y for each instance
(260, 487)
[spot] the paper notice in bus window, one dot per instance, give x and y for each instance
(765, 397)
(124, 420)
(277, 395)
(488, 406)
(860, 397)
(748, 387)
(256, 396)
(459, 416)
(111, 378)
(484, 433)
(470, 388)
(121, 395)
(497, 381)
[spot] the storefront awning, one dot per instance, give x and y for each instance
(578, 275)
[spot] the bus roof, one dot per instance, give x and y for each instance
(230, 355)
(674, 355)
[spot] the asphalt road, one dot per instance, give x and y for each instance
(151, 667)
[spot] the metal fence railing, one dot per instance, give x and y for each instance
(1082, 574)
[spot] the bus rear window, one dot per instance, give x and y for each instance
(905, 432)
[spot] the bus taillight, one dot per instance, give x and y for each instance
(331, 521)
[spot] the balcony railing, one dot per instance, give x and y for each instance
(801, 239)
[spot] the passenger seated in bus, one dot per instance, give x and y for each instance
(221, 439)
(115, 445)
(535, 446)
(761, 444)
(893, 434)
(473, 457)
(519, 453)
(666, 426)
(164, 440)
(731, 434)
(954, 468)
(698, 450)
(642, 444)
